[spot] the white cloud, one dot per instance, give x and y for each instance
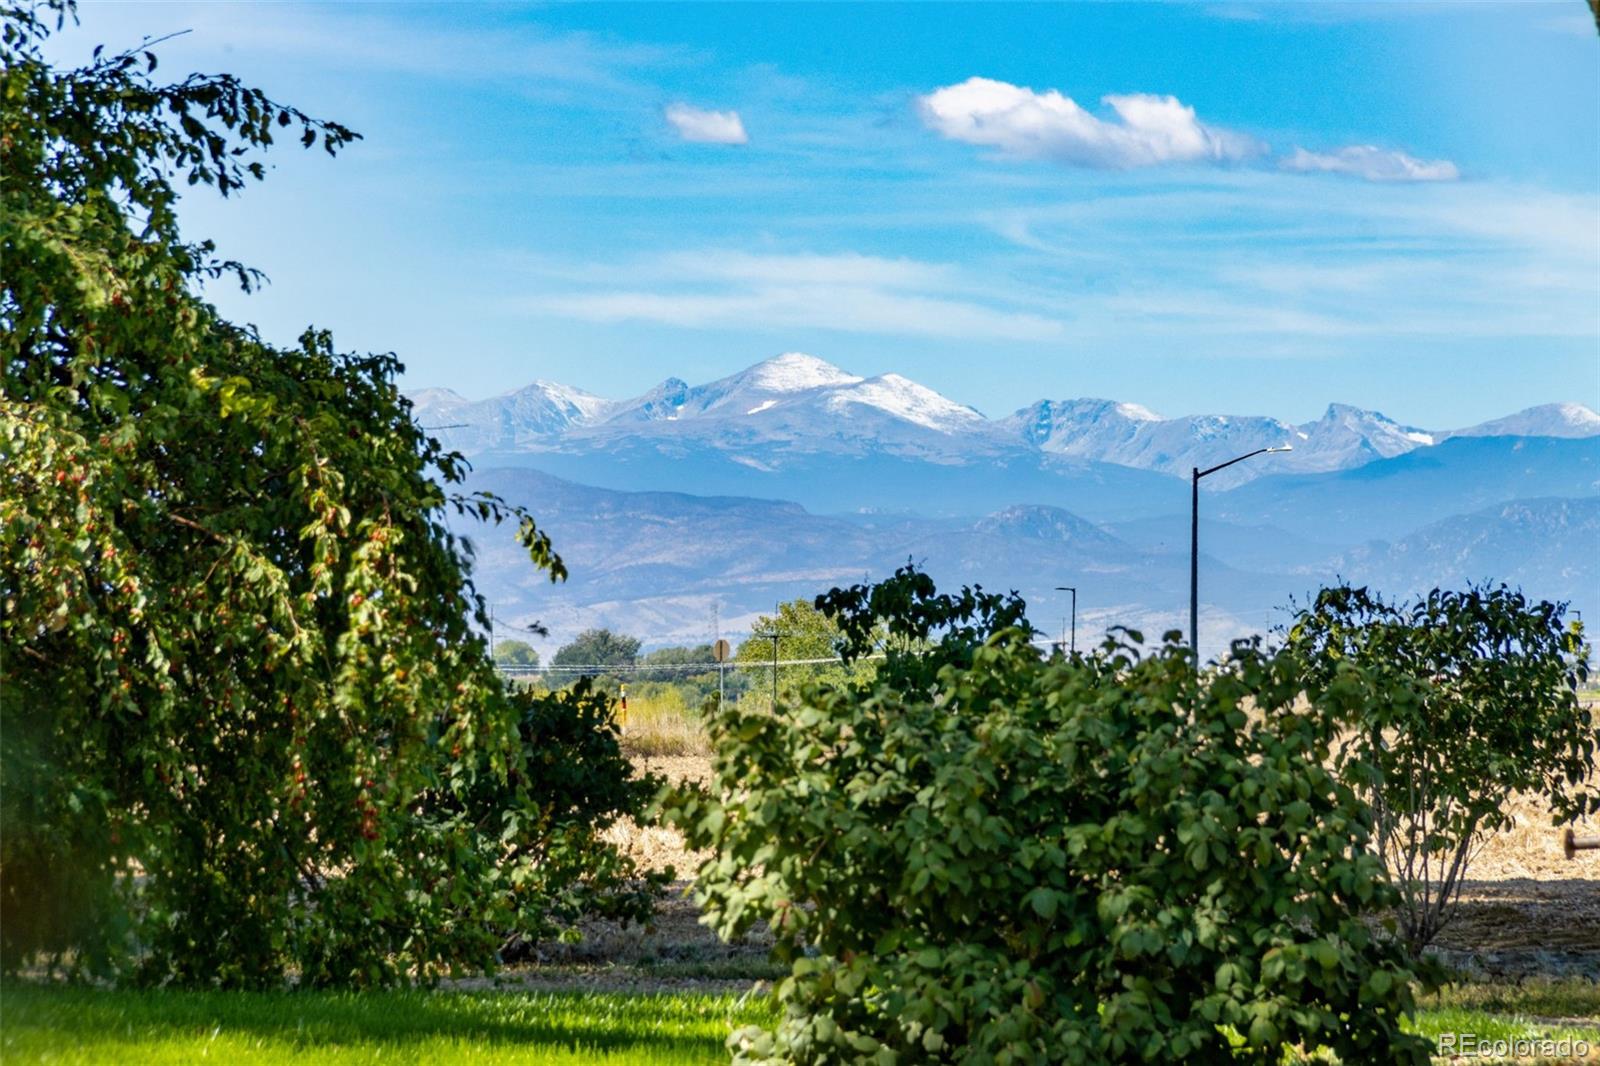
(707, 127)
(1372, 163)
(1020, 122)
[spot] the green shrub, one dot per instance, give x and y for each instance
(1474, 697)
(986, 856)
(542, 825)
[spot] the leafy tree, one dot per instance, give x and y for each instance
(599, 648)
(245, 706)
(1472, 698)
(990, 856)
(801, 631)
(679, 656)
(515, 653)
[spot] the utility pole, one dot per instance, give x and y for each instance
(775, 673)
(716, 647)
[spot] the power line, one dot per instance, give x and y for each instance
(612, 668)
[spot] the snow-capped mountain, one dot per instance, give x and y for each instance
(797, 400)
(790, 412)
(527, 417)
(1131, 435)
(792, 404)
(1546, 420)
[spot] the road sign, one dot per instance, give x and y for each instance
(720, 651)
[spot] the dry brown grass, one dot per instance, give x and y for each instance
(662, 726)
(658, 847)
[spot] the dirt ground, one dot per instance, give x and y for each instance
(1525, 908)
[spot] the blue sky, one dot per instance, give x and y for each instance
(1245, 208)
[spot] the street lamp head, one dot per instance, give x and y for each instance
(1284, 448)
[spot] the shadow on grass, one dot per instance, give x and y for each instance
(1523, 913)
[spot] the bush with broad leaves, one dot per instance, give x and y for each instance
(990, 856)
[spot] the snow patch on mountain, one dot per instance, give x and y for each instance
(904, 399)
(1135, 412)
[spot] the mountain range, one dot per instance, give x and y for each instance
(787, 412)
(794, 475)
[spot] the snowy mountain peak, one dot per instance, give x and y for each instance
(905, 399)
(1369, 432)
(437, 398)
(660, 403)
(1546, 420)
(794, 372)
(562, 402)
(1349, 414)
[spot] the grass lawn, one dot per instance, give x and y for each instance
(84, 1025)
(67, 1025)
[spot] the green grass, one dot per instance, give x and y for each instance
(63, 1025)
(1569, 997)
(68, 1025)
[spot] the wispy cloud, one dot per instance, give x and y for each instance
(706, 127)
(1371, 163)
(1146, 129)
(1576, 24)
(371, 38)
(1294, 268)
(719, 288)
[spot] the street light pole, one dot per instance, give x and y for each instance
(1194, 543)
(1074, 591)
(1194, 569)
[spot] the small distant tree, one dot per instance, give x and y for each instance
(679, 655)
(688, 668)
(1470, 697)
(600, 648)
(802, 631)
(515, 653)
